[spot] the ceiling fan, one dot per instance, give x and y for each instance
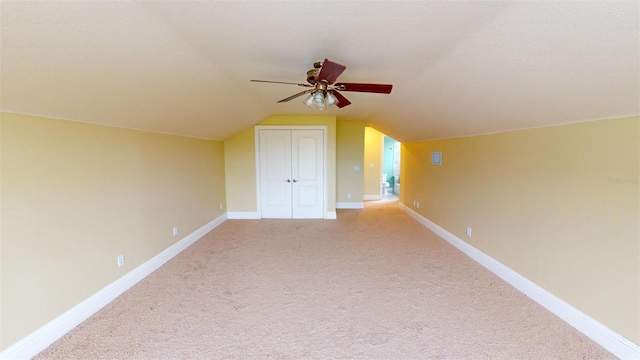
(323, 91)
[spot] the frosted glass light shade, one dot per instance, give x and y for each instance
(321, 100)
(331, 100)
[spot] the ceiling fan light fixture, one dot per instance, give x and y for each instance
(315, 100)
(318, 98)
(331, 100)
(309, 100)
(321, 100)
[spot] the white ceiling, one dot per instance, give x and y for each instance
(458, 68)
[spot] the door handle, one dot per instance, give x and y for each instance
(289, 180)
(294, 180)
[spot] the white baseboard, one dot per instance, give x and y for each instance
(331, 215)
(350, 205)
(242, 215)
(42, 338)
(371, 197)
(605, 337)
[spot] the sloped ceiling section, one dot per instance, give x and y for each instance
(458, 68)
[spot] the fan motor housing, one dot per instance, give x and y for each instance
(312, 76)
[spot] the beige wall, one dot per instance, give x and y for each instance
(240, 171)
(559, 205)
(75, 196)
(372, 162)
(241, 161)
(350, 153)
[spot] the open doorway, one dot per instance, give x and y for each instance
(382, 170)
(390, 169)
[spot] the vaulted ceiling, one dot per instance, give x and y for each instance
(458, 68)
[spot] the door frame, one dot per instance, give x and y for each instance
(324, 129)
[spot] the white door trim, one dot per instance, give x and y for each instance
(257, 129)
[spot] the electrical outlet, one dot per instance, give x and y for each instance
(121, 260)
(372, 165)
(414, 203)
(220, 206)
(418, 204)
(468, 231)
(175, 231)
(356, 168)
(348, 195)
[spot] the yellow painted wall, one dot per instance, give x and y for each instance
(372, 162)
(240, 171)
(350, 153)
(558, 205)
(241, 161)
(75, 196)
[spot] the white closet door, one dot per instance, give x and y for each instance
(275, 174)
(307, 171)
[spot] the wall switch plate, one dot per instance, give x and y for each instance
(175, 230)
(468, 231)
(418, 204)
(414, 203)
(356, 168)
(372, 165)
(120, 260)
(220, 206)
(348, 195)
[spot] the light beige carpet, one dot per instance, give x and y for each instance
(373, 284)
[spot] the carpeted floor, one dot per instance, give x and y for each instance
(373, 284)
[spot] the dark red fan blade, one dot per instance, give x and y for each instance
(342, 101)
(295, 96)
(330, 71)
(370, 88)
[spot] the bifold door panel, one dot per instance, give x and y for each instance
(292, 174)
